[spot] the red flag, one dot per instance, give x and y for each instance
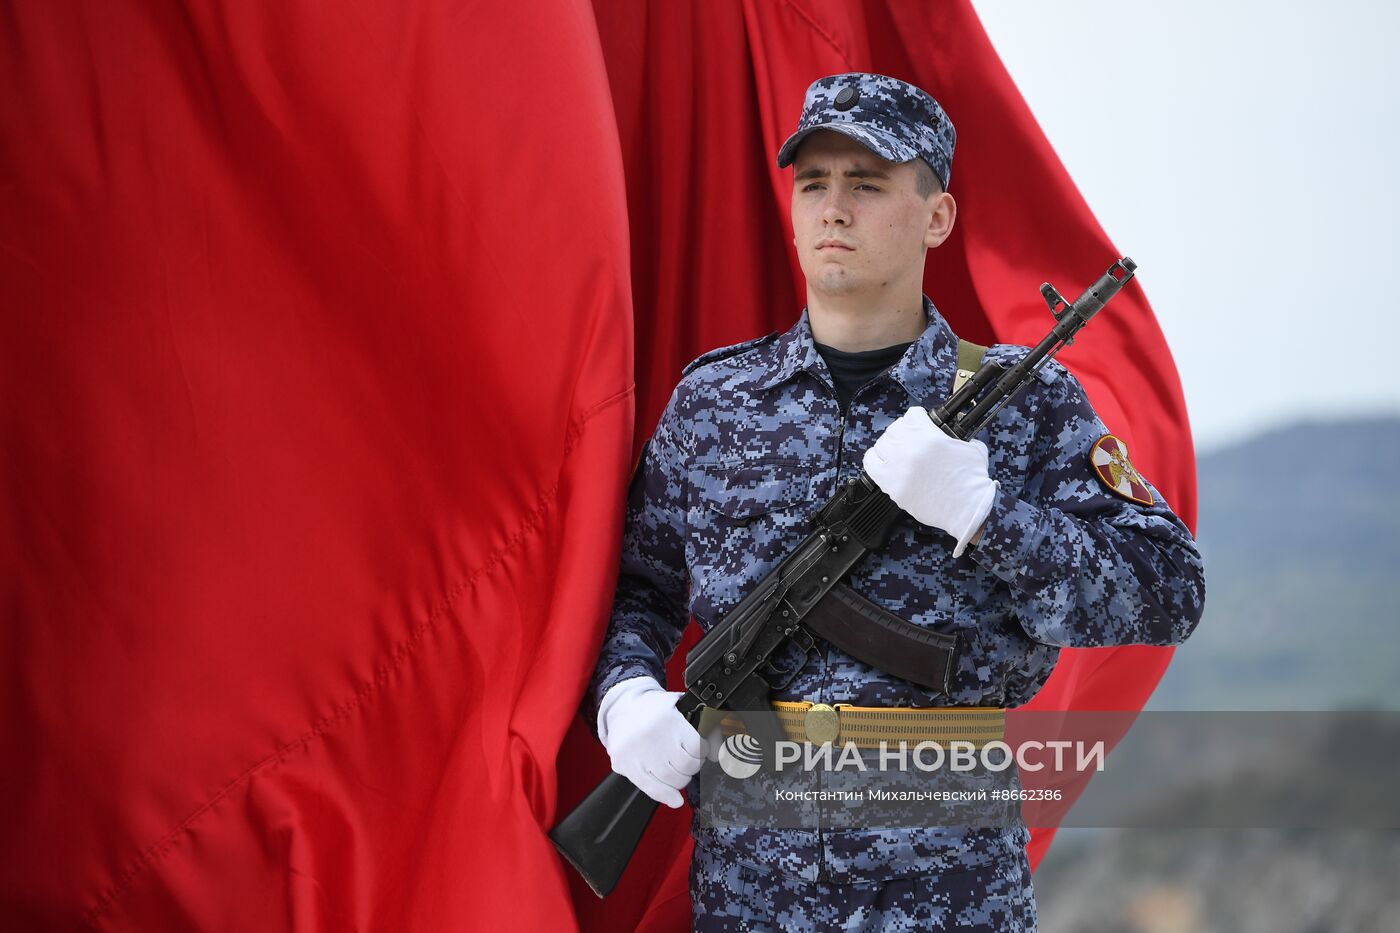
(317, 362)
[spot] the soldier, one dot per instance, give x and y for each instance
(1042, 537)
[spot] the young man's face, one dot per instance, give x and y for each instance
(859, 224)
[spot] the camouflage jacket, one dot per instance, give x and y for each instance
(753, 440)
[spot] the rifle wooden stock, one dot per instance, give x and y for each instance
(599, 836)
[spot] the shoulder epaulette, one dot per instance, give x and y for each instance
(1050, 371)
(1008, 353)
(723, 353)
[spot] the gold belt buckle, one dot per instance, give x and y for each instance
(822, 723)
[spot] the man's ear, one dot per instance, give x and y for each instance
(940, 223)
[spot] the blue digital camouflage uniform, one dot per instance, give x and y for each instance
(752, 441)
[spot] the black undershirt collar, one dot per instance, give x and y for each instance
(852, 369)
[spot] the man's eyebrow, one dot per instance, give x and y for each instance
(818, 172)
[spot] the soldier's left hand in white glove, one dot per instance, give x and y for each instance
(940, 480)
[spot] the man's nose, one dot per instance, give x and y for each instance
(836, 209)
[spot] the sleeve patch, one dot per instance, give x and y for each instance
(1109, 459)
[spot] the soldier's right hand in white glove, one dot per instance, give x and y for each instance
(940, 480)
(649, 742)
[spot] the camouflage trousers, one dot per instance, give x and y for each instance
(727, 895)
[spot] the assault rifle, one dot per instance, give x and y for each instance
(801, 599)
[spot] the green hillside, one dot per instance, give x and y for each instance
(1301, 533)
(1300, 529)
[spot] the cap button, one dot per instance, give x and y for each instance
(847, 98)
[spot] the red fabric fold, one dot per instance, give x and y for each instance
(317, 388)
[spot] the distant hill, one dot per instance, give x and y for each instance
(1301, 534)
(1300, 529)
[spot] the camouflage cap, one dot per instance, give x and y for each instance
(891, 118)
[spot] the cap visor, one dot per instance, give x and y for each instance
(882, 143)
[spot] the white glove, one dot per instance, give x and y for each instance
(940, 480)
(649, 742)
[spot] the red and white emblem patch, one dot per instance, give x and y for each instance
(1109, 457)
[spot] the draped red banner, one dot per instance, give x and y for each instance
(330, 335)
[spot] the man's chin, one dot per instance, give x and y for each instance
(838, 285)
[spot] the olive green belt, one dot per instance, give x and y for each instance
(868, 726)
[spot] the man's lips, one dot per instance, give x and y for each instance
(834, 244)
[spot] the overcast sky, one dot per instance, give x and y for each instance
(1255, 185)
